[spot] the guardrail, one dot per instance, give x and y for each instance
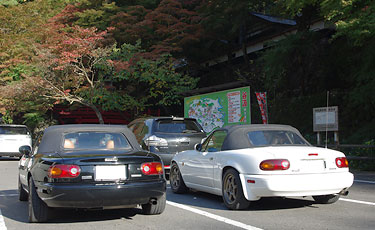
(355, 152)
(360, 157)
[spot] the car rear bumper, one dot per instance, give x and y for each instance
(257, 186)
(100, 195)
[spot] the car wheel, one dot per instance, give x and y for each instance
(38, 210)
(232, 191)
(22, 194)
(176, 181)
(326, 199)
(154, 209)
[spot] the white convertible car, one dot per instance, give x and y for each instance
(244, 163)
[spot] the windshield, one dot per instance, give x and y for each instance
(14, 130)
(275, 137)
(174, 126)
(95, 140)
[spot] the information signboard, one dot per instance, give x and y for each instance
(325, 119)
(218, 109)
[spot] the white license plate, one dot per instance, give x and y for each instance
(312, 165)
(110, 172)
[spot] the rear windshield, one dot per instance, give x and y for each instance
(14, 130)
(275, 137)
(177, 126)
(95, 140)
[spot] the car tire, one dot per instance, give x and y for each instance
(176, 181)
(326, 199)
(38, 210)
(233, 196)
(154, 209)
(22, 194)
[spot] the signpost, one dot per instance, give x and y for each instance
(218, 109)
(326, 119)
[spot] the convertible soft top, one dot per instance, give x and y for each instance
(237, 134)
(53, 135)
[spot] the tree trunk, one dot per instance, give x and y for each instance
(98, 114)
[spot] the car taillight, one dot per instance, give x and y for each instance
(152, 168)
(64, 171)
(274, 164)
(156, 141)
(342, 162)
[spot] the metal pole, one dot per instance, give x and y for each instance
(327, 119)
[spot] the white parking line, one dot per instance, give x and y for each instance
(2, 223)
(213, 216)
(365, 181)
(357, 201)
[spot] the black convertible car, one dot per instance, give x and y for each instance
(90, 167)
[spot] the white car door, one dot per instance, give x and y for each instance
(200, 164)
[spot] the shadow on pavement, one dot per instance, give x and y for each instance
(17, 210)
(206, 200)
(9, 158)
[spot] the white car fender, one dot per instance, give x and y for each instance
(249, 195)
(239, 167)
(243, 162)
(235, 161)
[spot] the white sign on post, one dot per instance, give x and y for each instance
(325, 119)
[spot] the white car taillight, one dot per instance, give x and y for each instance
(274, 164)
(155, 141)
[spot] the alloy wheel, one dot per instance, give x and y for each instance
(230, 188)
(175, 177)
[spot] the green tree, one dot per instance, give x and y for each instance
(145, 83)
(20, 28)
(308, 64)
(68, 67)
(169, 28)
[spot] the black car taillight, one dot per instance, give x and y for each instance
(152, 168)
(64, 171)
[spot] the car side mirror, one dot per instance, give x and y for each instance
(25, 150)
(198, 147)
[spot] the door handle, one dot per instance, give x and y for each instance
(211, 158)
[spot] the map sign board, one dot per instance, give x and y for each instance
(218, 109)
(325, 119)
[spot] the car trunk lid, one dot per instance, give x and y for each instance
(103, 167)
(306, 159)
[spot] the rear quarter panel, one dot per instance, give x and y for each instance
(245, 161)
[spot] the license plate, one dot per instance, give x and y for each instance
(312, 165)
(110, 172)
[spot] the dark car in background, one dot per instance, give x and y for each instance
(167, 135)
(90, 167)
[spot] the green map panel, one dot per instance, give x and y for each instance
(218, 109)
